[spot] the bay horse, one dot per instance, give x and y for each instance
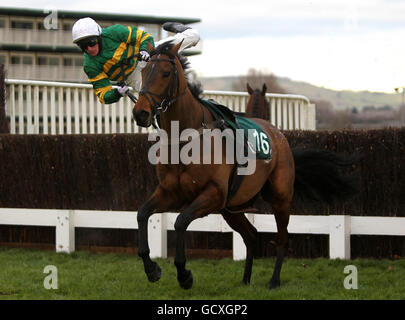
(196, 190)
(257, 105)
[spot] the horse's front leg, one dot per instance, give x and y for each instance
(208, 201)
(160, 201)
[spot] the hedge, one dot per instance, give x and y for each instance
(112, 172)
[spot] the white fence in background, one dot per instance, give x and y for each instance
(42, 107)
(339, 228)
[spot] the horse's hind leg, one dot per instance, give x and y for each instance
(160, 201)
(241, 224)
(279, 190)
(282, 217)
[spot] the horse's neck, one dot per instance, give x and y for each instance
(266, 111)
(186, 111)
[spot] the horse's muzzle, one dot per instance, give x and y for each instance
(142, 118)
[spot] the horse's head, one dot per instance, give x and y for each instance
(163, 83)
(257, 105)
(257, 91)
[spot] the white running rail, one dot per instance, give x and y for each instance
(339, 228)
(44, 107)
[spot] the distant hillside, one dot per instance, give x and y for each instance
(340, 99)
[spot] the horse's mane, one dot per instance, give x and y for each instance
(195, 87)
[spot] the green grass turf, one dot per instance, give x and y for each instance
(84, 275)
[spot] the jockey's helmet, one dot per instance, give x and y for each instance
(84, 28)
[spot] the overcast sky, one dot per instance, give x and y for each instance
(338, 44)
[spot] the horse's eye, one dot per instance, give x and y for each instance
(166, 74)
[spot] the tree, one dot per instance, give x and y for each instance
(256, 79)
(324, 111)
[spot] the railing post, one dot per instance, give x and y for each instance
(36, 109)
(99, 117)
(279, 111)
(20, 109)
(311, 115)
(157, 236)
(91, 110)
(238, 247)
(30, 127)
(339, 237)
(83, 96)
(284, 110)
(68, 111)
(114, 118)
(106, 118)
(76, 111)
(65, 231)
(53, 111)
(128, 116)
(45, 109)
(60, 111)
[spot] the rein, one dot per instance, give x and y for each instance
(126, 62)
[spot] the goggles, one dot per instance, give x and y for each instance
(88, 42)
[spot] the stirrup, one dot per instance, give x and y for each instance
(175, 27)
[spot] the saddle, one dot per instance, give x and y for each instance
(225, 118)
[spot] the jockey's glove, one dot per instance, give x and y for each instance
(144, 55)
(123, 91)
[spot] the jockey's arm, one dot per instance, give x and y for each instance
(139, 39)
(102, 87)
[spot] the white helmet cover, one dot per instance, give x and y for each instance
(85, 27)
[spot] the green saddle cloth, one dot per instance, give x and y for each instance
(256, 134)
(252, 131)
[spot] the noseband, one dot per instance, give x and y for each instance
(172, 92)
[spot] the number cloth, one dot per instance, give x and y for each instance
(252, 131)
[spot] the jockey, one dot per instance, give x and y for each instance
(105, 49)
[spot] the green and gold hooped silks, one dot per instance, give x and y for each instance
(118, 43)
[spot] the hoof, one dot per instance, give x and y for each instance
(274, 283)
(155, 274)
(187, 281)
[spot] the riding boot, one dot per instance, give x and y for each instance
(175, 27)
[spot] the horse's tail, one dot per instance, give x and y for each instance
(322, 175)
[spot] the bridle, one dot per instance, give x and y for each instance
(161, 103)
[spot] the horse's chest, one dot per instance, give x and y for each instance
(181, 181)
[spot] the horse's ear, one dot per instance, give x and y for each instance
(176, 47)
(150, 47)
(264, 89)
(249, 88)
